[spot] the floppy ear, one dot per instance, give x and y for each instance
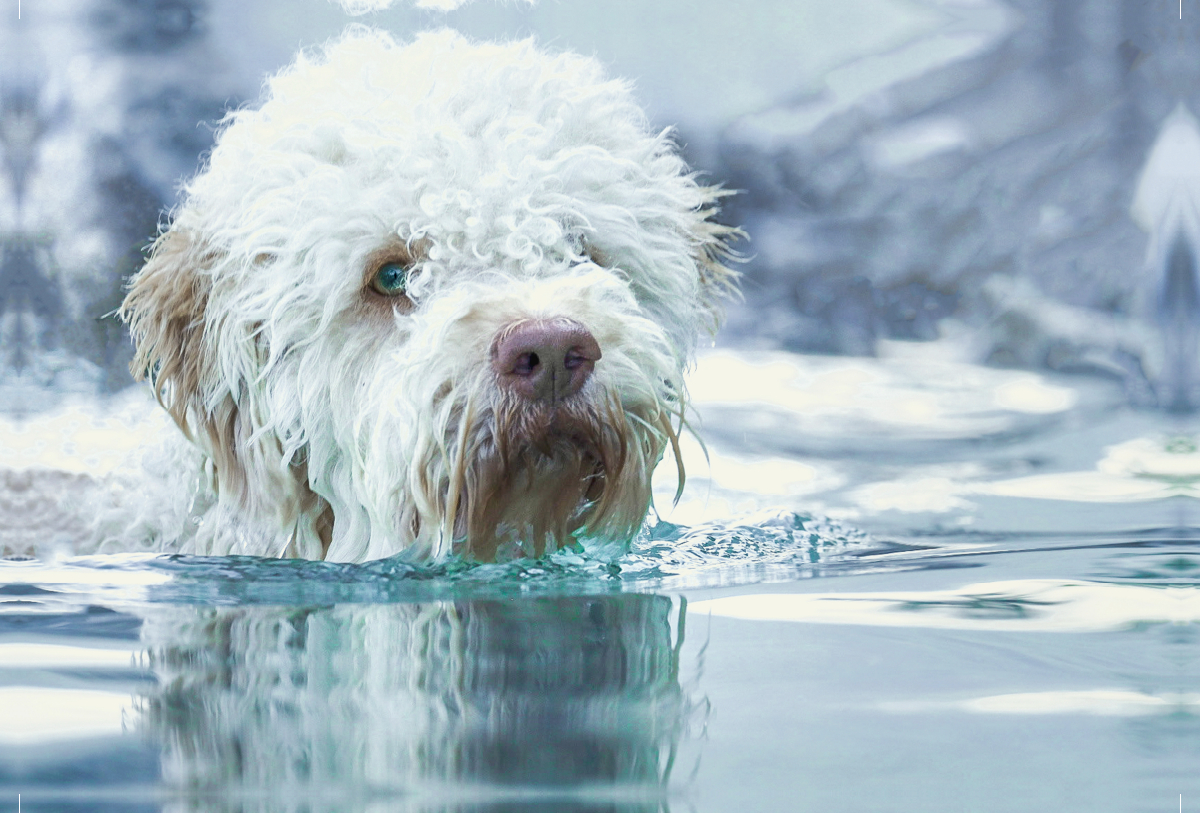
(166, 309)
(713, 255)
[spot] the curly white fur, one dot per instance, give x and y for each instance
(518, 185)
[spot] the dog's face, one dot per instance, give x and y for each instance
(436, 298)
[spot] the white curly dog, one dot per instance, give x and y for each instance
(433, 298)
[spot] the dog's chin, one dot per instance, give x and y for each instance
(545, 474)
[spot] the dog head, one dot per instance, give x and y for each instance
(434, 297)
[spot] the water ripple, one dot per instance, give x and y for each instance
(762, 547)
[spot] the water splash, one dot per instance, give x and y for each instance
(754, 549)
(764, 547)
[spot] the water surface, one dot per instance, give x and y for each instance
(889, 587)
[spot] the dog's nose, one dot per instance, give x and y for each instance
(545, 359)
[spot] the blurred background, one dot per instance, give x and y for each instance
(956, 405)
(1008, 183)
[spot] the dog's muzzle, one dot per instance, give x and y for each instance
(544, 360)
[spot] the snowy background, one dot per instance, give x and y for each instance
(1009, 183)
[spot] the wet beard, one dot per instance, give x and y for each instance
(538, 476)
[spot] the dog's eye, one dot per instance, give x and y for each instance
(391, 279)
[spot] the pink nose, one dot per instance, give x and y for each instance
(544, 359)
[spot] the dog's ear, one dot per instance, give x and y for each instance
(713, 255)
(165, 309)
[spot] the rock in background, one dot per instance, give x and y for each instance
(994, 189)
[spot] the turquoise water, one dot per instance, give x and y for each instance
(976, 594)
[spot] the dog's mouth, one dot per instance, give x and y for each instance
(537, 476)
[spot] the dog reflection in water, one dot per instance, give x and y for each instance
(571, 695)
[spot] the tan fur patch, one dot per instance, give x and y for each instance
(166, 312)
(540, 476)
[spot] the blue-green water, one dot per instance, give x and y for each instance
(1003, 616)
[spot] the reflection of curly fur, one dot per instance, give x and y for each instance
(554, 692)
(516, 187)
